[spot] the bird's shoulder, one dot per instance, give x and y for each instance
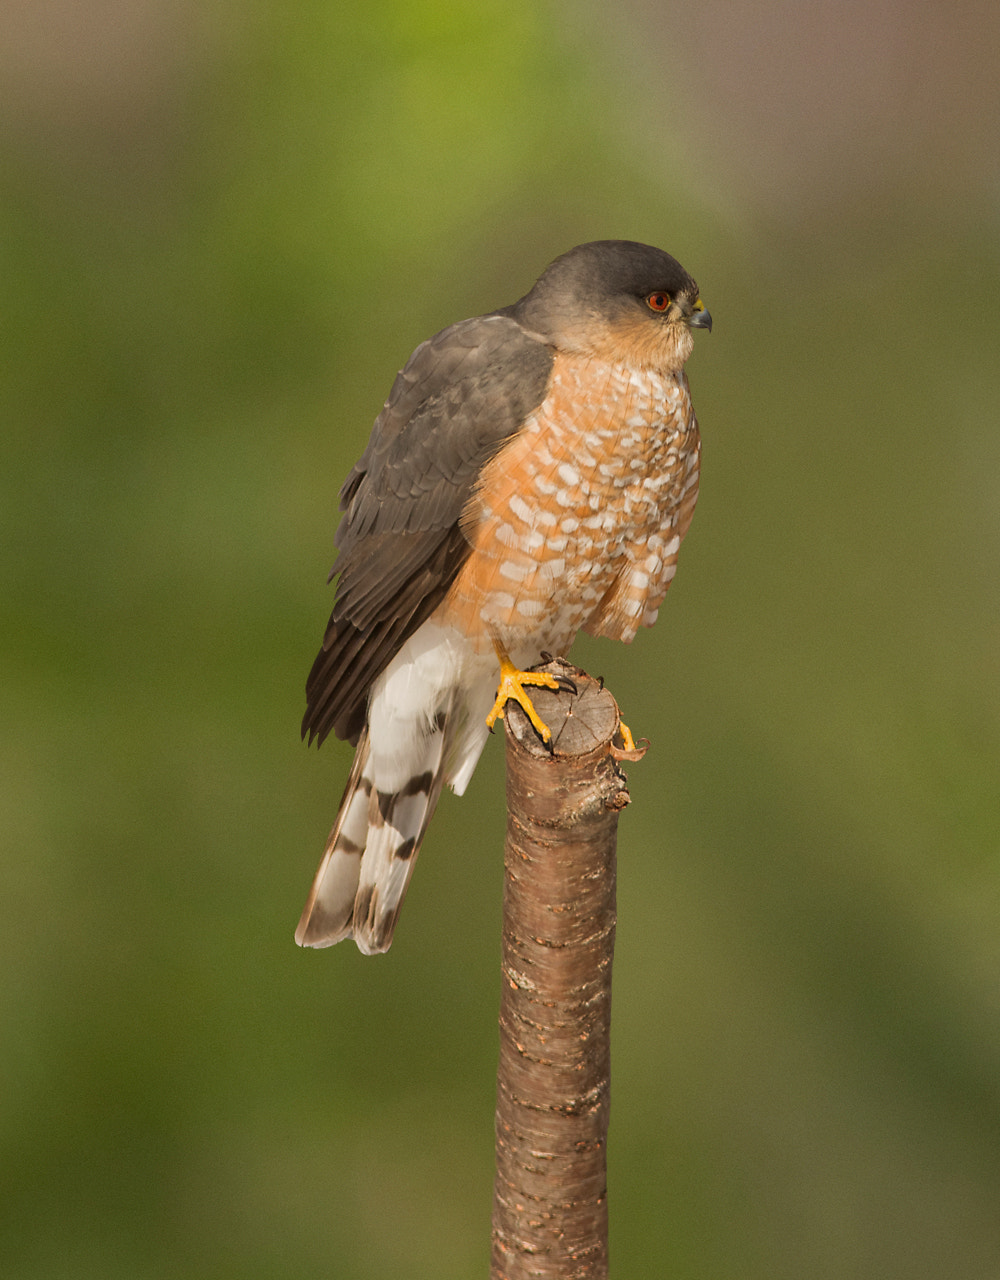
(459, 397)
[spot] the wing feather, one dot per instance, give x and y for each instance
(461, 396)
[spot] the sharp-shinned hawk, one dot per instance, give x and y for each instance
(532, 473)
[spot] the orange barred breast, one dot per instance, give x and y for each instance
(577, 522)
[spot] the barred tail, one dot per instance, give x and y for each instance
(362, 879)
(328, 916)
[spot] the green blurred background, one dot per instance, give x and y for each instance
(222, 230)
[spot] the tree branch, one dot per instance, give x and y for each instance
(550, 1216)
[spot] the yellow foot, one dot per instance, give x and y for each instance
(628, 742)
(511, 688)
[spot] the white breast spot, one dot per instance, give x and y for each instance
(520, 508)
(499, 602)
(514, 571)
(506, 536)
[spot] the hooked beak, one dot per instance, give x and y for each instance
(700, 318)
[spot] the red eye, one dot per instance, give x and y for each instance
(658, 301)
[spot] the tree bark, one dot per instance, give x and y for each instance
(550, 1212)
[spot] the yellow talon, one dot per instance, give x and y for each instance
(628, 742)
(511, 687)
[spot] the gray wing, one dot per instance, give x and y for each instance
(461, 396)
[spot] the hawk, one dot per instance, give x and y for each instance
(532, 473)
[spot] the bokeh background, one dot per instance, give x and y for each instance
(223, 228)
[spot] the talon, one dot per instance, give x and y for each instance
(567, 685)
(511, 688)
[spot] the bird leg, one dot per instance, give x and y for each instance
(511, 687)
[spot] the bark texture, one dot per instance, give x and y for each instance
(550, 1214)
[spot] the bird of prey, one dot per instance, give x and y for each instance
(532, 473)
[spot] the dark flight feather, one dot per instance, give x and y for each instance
(461, 396)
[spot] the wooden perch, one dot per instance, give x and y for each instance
(550, 1209)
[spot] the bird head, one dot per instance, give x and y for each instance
(618, 301)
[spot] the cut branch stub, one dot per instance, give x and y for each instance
(550, 1204)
